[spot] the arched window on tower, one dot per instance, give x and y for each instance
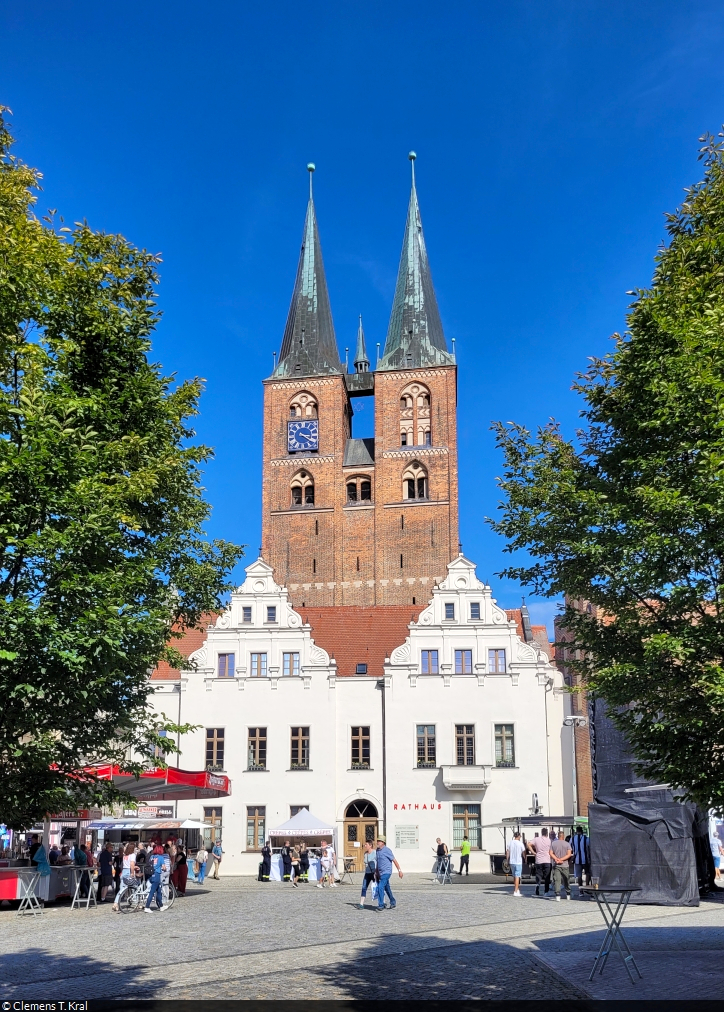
(303, 405)
(415, 482)
(302, 489)
(359, 488)
(415, 415)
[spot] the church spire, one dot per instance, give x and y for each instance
(309, 347)
(361, 362)
(414, 337)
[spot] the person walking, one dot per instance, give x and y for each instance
(385, 859)
(295, 867)
(128, 874)
(180, 873)
(370, 867)
(159, 860)
(515, 854)
(217, 853)
(266, 856)
(202, 856)
(332, 865)
(286, 853)
(303, 862)
(581, 847)
(105, 872)
(561, 855)
(465, 855)
(541, 847)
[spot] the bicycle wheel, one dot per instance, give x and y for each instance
(171, 895)
(128, 903)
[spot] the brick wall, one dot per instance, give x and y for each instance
(387, 552)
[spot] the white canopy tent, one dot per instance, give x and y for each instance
(305, 826)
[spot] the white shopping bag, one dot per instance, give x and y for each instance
(374, 890)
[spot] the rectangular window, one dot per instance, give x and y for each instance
(300, 748)
(496, 662)
(429, 662)
(213, 835)
(291, 665)
(214, 748)
(271, 613)
(504, 745)
(475, 610)
(465, 744)
(255, 826)
(463, 662)
(449, 610)
(426, 758)
(466, 820)
(258, 665)
(257, 748)
(361, 748)
(360, 669)
(247, 613)
(296, 809)
(226, 665)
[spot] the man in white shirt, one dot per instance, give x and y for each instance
(515, 854)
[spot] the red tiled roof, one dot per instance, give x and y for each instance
(354, 635)
(189, 641)
(540, 632)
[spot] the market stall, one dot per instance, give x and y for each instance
(301, 828)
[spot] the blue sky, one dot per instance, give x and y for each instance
(551, 138)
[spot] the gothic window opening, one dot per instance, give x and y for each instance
(302, 489)
(415, 416)
(415, 482)
(303, 406)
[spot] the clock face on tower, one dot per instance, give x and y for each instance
(303, 435)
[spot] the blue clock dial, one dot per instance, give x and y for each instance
(303, 435)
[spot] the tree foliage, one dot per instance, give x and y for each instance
(630, 516)
(102, 550)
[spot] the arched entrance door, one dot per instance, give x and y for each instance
(360, 825)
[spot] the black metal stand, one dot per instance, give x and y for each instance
(614, 935)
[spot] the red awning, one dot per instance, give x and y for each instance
(167, 785)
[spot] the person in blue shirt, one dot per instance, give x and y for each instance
(385, 860)
(217, 853)
(161, 867)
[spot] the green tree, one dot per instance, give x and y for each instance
(630, 515)
(102, 551)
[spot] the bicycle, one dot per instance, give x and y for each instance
(136, 896)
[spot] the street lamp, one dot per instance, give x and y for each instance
(574, 721)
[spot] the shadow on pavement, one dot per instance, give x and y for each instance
(39, 975)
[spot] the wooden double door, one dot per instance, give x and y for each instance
(357, 832)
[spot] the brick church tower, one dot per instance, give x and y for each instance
(349, 521)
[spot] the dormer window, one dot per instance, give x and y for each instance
(361, 669)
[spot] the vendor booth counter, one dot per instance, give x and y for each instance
(59, 884)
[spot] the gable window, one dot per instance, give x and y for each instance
(290, 666)
(465, 744)
(271, 613)
(214, 748)
(256, 752)
(504, 745)
(360, 748)
(226, 665)
(258, 665)
(475, 610)
(300, 748)
(429, 662)
(449, 610)
(426, 758)
(246, 616)
(496, 662)
(463, 662)
(255, 826)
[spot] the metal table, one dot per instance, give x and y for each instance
(78, 900)
(348, 869)
(613, 916)
(28, 879)
(442, 870)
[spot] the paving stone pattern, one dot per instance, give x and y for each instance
(237, 938)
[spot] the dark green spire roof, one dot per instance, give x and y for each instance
(415, 336)
(309, 346)
(361, 362)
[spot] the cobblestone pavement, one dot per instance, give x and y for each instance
(238, 938)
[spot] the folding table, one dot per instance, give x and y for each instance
(613, 918)
(28, 879)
